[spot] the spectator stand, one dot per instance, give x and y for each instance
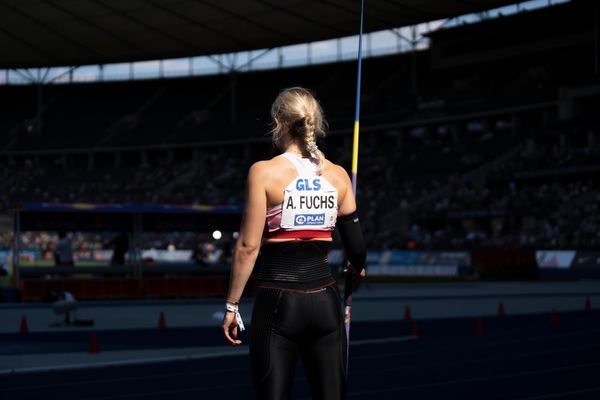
(132, 219)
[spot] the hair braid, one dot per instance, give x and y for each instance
(298, 114)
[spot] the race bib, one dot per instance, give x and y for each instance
(309, 203)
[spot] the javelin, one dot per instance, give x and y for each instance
(349, 283)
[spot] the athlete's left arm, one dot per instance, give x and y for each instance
(348, 226)
(248, 243)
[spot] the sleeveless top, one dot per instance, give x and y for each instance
(308, 211)
(309, 207)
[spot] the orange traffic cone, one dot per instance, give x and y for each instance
(407, 313)
(479, 326)
(94, 347)
(24, 326)
(414, 329)
(553, 317)
(588, 304)
(162, 324)
(501, 311)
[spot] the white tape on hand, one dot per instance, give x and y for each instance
(238, 318)
(240, 323)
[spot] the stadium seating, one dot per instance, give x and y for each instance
(463, 145)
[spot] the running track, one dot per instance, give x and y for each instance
(517, 357)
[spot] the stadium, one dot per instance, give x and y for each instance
(127, 130)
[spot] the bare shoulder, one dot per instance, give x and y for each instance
(336, 172)
(258, 169)
(273, 170)
(259, 172)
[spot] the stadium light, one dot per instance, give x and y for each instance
(217, 235)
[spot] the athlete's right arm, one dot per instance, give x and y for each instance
(248, 243)
(348, 225)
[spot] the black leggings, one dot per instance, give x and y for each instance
(290, 324)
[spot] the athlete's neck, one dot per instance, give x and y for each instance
(293, 148)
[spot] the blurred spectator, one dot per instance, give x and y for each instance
(63, 252)
(120, 245)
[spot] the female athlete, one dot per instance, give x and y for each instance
(294, 202)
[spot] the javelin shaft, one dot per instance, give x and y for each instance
(348, 281)
(357, 104)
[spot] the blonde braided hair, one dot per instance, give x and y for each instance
(297, 113)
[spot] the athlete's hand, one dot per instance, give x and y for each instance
(357, 278)
(230, 328)
(362, 275)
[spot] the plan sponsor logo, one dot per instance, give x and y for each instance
(309, 219)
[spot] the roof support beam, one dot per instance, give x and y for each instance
(198, 24)
(146, 25)
(147, 53)
(266, 28)
(45, 75)
(356, 12)
(29, 74)
(302, 17)
(68, 71)
(262, 54)
(45, 55)
(40, 23)
(417, 11)
(48, 33)
(27, 77)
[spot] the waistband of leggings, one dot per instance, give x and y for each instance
(295, 287)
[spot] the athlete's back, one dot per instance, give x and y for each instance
(293, 204)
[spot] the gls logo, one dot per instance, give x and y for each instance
(307, 184)
(309, 219)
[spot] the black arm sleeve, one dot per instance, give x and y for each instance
(352, 238)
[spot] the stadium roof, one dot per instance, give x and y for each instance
(47, 33)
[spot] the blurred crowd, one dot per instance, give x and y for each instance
(545, 195)
(205, 250)
(39, 182)
(557, 215)
(212, 180)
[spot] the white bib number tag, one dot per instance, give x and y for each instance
(309, 203)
